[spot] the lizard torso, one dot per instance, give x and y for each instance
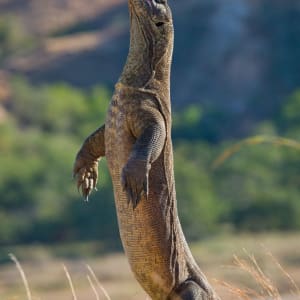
(150, 233)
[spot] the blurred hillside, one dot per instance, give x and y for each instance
(235, 74)
(239, 59)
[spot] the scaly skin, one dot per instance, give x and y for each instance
(136, 141)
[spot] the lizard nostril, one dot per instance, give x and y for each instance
(158, 24)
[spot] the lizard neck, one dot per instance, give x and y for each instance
(148, 62)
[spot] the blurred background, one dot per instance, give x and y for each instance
(236, 74)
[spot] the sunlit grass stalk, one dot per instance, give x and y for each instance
(295, 290)
(100, 286)
(70, 282)
(241, 293)
(253, 269)
(22, 273)
(93, 287)
(267, 289)
(255, 140)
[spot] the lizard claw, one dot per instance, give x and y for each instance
(86, 174)
(135, 181)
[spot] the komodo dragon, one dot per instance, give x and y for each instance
(136, 140)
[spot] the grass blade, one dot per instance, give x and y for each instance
(255, 140)
(291, 280)
(93, 287)
(100, 286)
(22, 273)
(70, 282)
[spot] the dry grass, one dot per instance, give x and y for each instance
(265, 289)
(249, 265)
(70, 282)
(255, 140)
(251, 276)
(93, 287)
(94, 282)
(23, 276)
(100, 286)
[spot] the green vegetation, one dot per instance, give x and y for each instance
(255, 189)
(13, 37)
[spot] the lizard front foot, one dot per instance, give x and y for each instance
(135, 180)
(86, 173)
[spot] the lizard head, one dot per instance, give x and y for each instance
(151, 42)
(155, 14)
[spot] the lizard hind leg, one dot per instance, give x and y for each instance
(188, 290)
